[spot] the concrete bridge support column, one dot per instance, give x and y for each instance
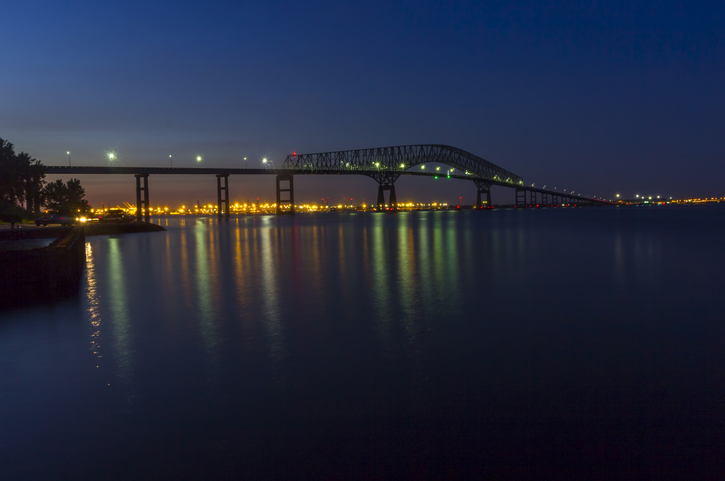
(392, 198)
(142, 197)
(520, 197)
(484, 188)
(532, 198)
(290, 200)
(222, 192)
(386, 181)
(544, 199)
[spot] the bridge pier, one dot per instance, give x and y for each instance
(483, 187)
(532, 198)
(520, 197)
(290, 200)
(222, 199)
(386, 181)
(393, 200)
(142, 197)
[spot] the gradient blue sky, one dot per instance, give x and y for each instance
(599, 97)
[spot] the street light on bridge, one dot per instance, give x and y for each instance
(198, 158)
(68, 158)
(111, 156)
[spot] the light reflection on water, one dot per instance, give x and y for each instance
(272, 276)
(118, 316)
(205, 286)
(292, 341)
(94, 316)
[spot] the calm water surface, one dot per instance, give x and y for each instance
(421, 344)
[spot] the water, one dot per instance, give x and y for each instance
(423, 344)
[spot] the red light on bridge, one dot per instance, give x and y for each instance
(294, 153)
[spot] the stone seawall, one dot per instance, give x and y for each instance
(43, 274)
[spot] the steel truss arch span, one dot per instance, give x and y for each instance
(384, 162)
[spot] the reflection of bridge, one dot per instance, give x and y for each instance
(384, 164)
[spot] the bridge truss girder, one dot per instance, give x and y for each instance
(398, 159)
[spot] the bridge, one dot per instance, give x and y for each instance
(383, 164)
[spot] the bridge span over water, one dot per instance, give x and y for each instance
(383, 164)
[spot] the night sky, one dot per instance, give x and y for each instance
(597, 97)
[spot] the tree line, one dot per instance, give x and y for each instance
(24, 191)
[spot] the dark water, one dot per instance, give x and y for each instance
(507, 343)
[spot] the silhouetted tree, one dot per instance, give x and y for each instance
(34, 178)
(21, 177)
(21, 180)
(9, 174)
(76, 197)
(66, 198)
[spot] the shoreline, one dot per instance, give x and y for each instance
(35, 232)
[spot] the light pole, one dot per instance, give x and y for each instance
(68, 158)
(171, 162)
(245, 162)
(111, 156)
(198, 158)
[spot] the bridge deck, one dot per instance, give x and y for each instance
(57, 169)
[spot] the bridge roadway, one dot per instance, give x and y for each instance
(396, 162)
